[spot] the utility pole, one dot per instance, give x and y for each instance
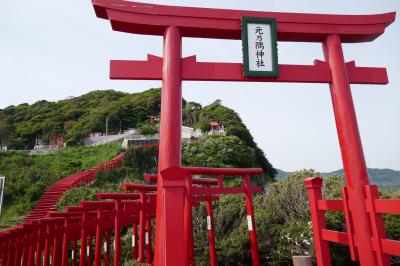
(107, 125)
(2, 186)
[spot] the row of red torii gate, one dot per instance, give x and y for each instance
(176, 192)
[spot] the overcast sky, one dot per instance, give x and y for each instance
(52, 49)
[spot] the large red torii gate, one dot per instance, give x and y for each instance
(176, 22)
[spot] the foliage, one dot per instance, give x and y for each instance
(292, 239)
(204, 126)
(287, 200)
(233, 125)
(282, 220)
(76, 195)
(147, 128)
(218, 151)
(78, 116)
(75, 117)
(27, 177)
(139, 160)
(133, 263)
(191, 113)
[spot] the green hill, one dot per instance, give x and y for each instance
(77, 117)
(28, 176)
(383, 178)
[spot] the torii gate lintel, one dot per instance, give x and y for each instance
(192, 70)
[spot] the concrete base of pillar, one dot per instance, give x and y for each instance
(302, 261)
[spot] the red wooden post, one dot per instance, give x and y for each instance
(99, 238)
(348, 216)
(148, 239)
(378, 226)
(74, 253)
(90, 249)
(25, 242)
(11, 251)
(134, 242)
(3, 249)
(65, 245)
(18, 249)
(117, 236)
(314, 191)
(351, 148)
(170, 196)
(47, 244)
(107, 251)
(58, 240)
(82, 257)
(189, 222)
(4, 253)
(211, 234)
(142, 230)
(41, 232)
(250, 221)
(32, 238)
(30, 252)
(32, 248)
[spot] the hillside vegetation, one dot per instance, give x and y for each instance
(27, 176)
(76, 117)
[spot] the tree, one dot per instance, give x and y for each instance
(218, 151)
(148, 128)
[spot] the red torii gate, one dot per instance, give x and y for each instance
(176, 22)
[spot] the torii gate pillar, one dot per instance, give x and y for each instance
(354, 165)
(170, 195)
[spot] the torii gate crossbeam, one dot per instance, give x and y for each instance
(176, 22)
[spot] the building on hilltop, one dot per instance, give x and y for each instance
(216, 128)
(56, 143)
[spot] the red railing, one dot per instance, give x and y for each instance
(15, 243)
(383, 247)
(83, 235)
(52, 195)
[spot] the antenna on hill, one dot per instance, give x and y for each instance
(107, 125)
(2, 185)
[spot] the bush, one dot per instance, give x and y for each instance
(218, 151)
